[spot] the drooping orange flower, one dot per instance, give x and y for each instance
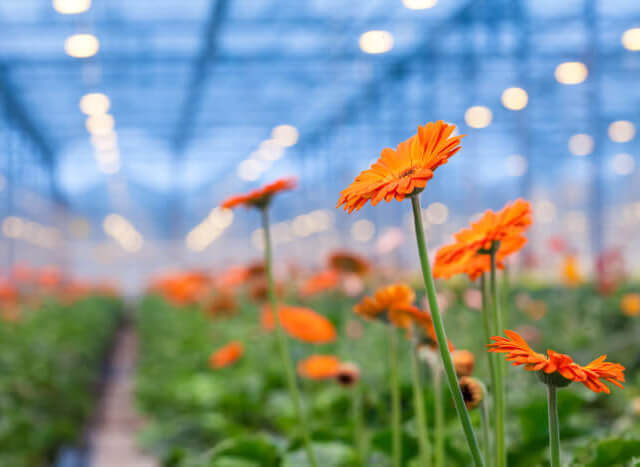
(472, 391)
(320, 282)
(407, 169)
(384, 300)
(349, 263)
(319, 367)
(467, 255)
(226, 355)
(302, 323)
(260, 197)
(519, 353)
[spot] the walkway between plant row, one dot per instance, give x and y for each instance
(114, 437)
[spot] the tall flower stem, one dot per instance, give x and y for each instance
(421, 415)
(554, 430)
(395, 397)
(283, 343)
(358, 423)
(439, 408)
(452, 379)
(486, 322)
(486, 432)
(498, 385)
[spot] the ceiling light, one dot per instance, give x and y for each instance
(81, 45)
(100, 124)
(631, 39)
(419, 4)
(285, 135)
(71, 7)
(376, 42)
(622, 131)
(515, 98)
(94, 103)
(571, 72)
(581, 145)
(478, 116)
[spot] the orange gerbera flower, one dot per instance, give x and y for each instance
(302, 323)
(226, 355)
(405, 171)
(260, 197)
(554, 363)
(325, 280)
(347, 262)
(468, 254)
(385, 300)
(319, 367)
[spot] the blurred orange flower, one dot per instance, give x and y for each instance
(232, 277)
(222, 303)
(260, 197)
(49, 277)
(407, 316)
(302, 323)
(349, 263)
(384, 300)
(183, 288)
(259, 290)
(571, 270)
(405, 171)
(320, 282)
(630, 304)
(226, 355)
(8, 292)
(467, 255)
(519, 353)
(319, 367)
(21, 273)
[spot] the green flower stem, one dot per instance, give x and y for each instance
(358, 423)
(395, 397)
(486, 321)
(438, 325)
(283, 344)
(421, 415)
(486, 432)
(554, 430)
(498, 388)
(506, 287)
(439, 407)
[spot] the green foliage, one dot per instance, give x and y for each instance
(49, 362)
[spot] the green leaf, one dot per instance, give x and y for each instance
(234, 462)
(257, 448)
(616, 452)
(327, 455)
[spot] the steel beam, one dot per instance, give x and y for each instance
(199, 75)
